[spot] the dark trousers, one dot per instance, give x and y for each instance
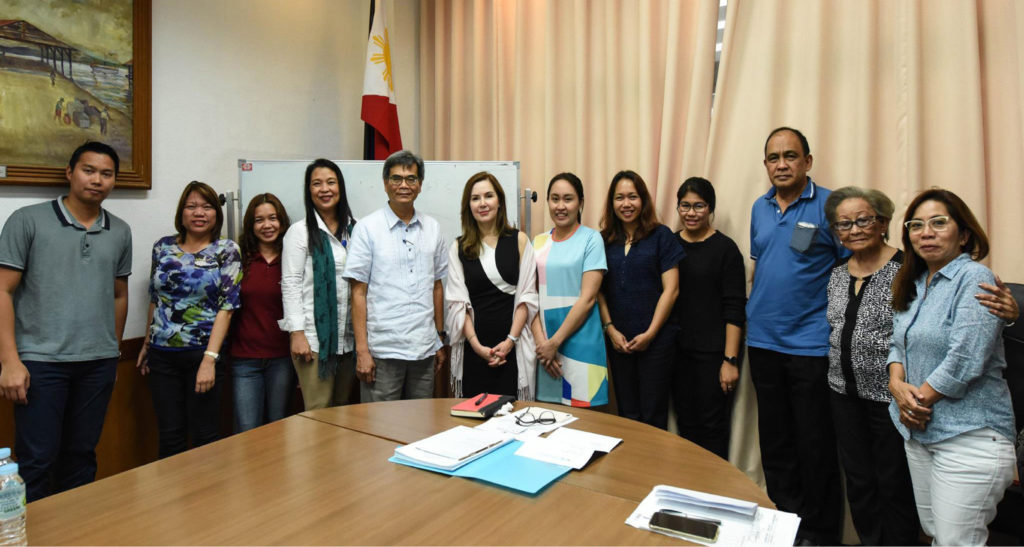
(877, 478)
(57, 431)
(798, 443)
(703, 410)
(180, 411)
(643, 380)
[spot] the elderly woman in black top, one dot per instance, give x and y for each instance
(860, 312)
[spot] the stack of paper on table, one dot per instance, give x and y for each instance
(566, 446)
(743, 522)
(484, 455)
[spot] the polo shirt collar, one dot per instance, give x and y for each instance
(258, 257)
(950, 270)
(392, 219)
(808, 192)
(67, 219)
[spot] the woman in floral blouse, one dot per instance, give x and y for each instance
(193, 291)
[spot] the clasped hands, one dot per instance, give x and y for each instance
(494, 356)
(621, 345)
(913, 402)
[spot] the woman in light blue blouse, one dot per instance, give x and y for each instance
(950, 401)
(193, 290)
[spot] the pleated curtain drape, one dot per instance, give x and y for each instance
(591, 87)
(898, 95)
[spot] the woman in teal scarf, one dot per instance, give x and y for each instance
(316, 298)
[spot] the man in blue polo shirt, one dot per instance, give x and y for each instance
(64, 267)
(787, 339)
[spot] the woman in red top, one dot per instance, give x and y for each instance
(263, 377)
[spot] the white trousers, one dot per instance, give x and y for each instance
(958, 482)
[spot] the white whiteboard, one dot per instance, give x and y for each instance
(364, 185)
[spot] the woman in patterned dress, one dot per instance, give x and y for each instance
(570, 267)
(193, 290)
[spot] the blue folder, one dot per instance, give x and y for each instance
(504, 468)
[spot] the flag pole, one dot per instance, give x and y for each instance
(368, 130)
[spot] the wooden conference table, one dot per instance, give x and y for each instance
(322, 477)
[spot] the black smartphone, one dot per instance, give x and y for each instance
(676, 524)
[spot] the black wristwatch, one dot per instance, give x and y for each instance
(734, 361)
(443, 335)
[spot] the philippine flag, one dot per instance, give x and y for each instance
(379, 108)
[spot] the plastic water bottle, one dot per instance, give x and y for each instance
(5, 456)
(12, 506)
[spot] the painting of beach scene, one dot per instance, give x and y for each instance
(66, 76)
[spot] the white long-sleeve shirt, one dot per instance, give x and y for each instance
(297, 286)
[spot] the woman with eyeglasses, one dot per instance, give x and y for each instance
(261, 368)
(316, 297)
(491, 295)
(710, 312)
(193, 290)
(860, 314)
(570, 267)
(945, 363)
(636, 300)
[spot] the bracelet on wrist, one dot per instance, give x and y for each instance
(514, 339)
(606, 325)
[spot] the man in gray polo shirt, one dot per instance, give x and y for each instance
(64, 268)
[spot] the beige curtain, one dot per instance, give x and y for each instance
(591, 87)
(898, 95)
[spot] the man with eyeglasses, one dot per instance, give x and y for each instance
(787, 339)
(64, 267)
(396, 261)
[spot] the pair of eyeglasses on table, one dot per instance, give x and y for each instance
(535, 416)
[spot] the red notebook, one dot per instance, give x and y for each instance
(483, 405)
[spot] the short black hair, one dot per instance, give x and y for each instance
(404, 158)
(97, 147)
(799, 135)
(700, 186)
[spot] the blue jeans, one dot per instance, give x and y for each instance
(57, 431)
(262, 388)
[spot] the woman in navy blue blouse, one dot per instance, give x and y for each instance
(636, 299)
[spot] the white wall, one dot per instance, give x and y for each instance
(255, 79)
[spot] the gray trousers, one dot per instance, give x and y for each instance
(396, 379)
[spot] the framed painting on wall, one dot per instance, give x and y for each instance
(71, 72)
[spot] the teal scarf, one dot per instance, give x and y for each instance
(325, 305)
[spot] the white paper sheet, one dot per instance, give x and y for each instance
(762, 527)
(556, 452)
(598, 443)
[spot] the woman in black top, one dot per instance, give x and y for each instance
(710, 312)
(490, 293)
